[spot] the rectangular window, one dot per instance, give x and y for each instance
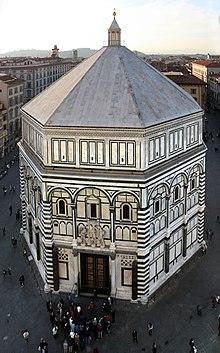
(130, 153)
(92, 154)
(157, 206)
(100, 152)
(55, 148)
(63, 270)
(93, 210)
(122, 153)
(63, 151)
(114, 153)
(84, 152)
(176, 141)
(157, 148)
(126, 277)
(70, 151)
(192, 134)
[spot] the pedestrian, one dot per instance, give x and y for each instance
(3, 231)
(25, 335)
(154, 348)
(14, 241)
(24, 253)
(199, 310)
(217, 219)
(10, 210)
(21, 280)
(65, 346)
(55, 331)
(213, 300)
(43, 346)
(134, 336)
(5, 191)
(150, 328)
(203, 246)
(9, 270)
(218, 327)
(4, 272)
(49, 306)
(191, 343)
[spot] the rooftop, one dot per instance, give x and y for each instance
(185, 79)
(207, 63)
(112, 88)
(9, 80)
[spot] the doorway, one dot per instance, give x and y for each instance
(95, 273)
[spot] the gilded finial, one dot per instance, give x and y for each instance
(114, 13)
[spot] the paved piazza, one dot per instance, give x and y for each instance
(173, 314)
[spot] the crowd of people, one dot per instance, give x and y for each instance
(81, 326)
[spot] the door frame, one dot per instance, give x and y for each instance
(104, 291)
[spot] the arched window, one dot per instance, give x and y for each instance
(193, 183)
(61, 207)
(156, 206)
(126, 212)
(176, 193)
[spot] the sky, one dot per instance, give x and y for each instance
(150, 26)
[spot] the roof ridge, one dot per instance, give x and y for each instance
(131, 90)
(167, 79)
(81, 78)
(93, 58)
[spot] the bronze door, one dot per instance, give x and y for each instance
(95, 273)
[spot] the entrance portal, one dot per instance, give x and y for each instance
(95, 273)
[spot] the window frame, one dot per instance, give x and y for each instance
(177, 187)
(129, 211)
(158, 199)
(58, 207)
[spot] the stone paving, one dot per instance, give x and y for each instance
(173, 315)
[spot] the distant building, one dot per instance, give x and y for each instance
(214, 90)
(3, 129)
(112, 171)
(204, 68)
(38, 73)
(213, 57)
(191, 84)
(11, 95)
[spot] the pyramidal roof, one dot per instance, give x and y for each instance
(113, 88)
(114, 25)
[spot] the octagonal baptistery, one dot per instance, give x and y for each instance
(112, 169)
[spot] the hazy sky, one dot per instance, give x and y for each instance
(151, 26)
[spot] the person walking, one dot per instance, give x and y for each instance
(14, 241)
(154, 348)
(26, 335)
(10, 210)
(134, 336)
(217, 219)
(199, 310)
(219, 325)
(21, 280)
(4, 272)
(213, 299)
(43, 346)
(191, 343)
(65, 347)
(55, 331)
(9, 270)
(3, 231)
(150, 328)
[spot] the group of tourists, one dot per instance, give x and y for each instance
(81, 325)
